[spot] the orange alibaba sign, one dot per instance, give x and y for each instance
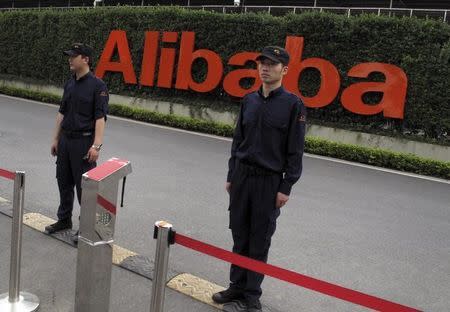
(393, 88)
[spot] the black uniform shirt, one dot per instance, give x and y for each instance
(84, 101)
(270, 133)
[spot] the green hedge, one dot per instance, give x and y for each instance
(379, 157)
(32, 41)
(365, 155)
(171, 120)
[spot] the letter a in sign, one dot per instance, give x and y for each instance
(117, 38)
(232, 81)
(394, 90)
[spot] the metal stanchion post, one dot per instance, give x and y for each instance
(164, 235)
(15, 300)
(97, 225)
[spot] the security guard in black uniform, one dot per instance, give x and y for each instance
(266, 161)
(79, 131)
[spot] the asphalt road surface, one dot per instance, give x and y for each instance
(378, 232)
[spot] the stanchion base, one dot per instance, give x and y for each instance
(27, 303)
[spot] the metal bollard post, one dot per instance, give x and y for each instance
(165, 237)
(15, 300)
(97, 224)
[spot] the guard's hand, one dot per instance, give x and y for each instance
(92, 155)
(54, 148)
(228, 187)
(281, 200)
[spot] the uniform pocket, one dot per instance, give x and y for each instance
(275, 123)
(85, 107)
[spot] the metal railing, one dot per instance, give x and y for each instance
(438, 14)
(349, 11)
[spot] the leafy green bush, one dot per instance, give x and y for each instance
(171, 120)
(32, 41)
(378, 157)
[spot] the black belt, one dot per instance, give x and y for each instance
(77, 134)
(254, 169)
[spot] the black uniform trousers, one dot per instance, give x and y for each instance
(253, 216)
(70, 166)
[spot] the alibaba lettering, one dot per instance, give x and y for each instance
(393, 88)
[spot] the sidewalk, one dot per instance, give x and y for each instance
(49, 269)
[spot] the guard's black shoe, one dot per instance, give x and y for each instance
(227, 295)
(253, 305)
(235, 306)
(61, 225)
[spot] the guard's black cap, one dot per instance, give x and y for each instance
(274, 53)
(79, 49)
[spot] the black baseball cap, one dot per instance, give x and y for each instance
(79, 49)
(274, 53)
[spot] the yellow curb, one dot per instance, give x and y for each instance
(37, 221)
(196, 288)
(120, 254)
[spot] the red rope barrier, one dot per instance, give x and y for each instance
(293, 277)
(7, 174)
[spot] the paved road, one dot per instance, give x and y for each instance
(376, 232)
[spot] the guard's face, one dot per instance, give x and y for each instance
(271, 72)
(78, 62)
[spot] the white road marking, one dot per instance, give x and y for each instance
(3, 200)
(340, 161)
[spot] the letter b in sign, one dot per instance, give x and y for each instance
(187, 58)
